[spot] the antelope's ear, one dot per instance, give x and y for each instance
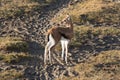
(68, 18)
(68, 14)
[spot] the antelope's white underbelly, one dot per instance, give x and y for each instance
(64, 39)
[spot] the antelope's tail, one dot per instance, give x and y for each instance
(47, 38)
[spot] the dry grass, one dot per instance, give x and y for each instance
(14, 57)
(11, 8)
(104, 66)
(86, 33)
(12, 52)
(13, 44)
(13, 49)
(87, 7)
(107, 15)
(11, 74)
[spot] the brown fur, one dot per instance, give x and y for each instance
(67, 30)
(58, 32)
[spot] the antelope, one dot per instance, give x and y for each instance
(59, 34)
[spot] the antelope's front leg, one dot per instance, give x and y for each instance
(52, 44)
(66, 50)
(46, 52)
(63, 49)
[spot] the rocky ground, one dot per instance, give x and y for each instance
(33, 25)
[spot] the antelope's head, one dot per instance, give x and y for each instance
(67, 21)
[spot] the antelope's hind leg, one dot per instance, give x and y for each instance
(63, 49)
(51, 45)
(46, 52)
(64, 44)
(48, 48)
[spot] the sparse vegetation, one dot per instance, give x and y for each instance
(11, 74)
(10, 46)
(13, 44)
(14, 57)
(83, 34)
(92, 11)
(13, 51)
(11, 8)
(103, 66)
(107, 15)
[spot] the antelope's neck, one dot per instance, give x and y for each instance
(70, 26)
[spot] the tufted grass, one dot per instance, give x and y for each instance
(107, 15)
(11, 74)
(82, 34)
(13, 44)
(14, 57)
(104, 66)
(13, 50)
(12, 8)
(91, 11)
